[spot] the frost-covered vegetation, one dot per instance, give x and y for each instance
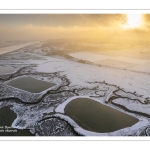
(126, 90)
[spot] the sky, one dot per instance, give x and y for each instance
(52, 26)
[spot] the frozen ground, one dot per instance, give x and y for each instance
(135, 64)
(92, 57)
(11, 48)
(126, 90)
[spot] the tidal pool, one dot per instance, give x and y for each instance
(4, 69)
(94, 116)
(7, 116)
(30, 84)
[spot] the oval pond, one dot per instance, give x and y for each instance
(96, 117)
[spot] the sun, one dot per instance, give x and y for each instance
(133, 21)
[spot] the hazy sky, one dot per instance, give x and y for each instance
(47, 26)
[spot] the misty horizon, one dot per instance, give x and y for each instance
(56, 26)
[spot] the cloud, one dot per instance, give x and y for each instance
(64, 20)
(43, 27)
(146, 19)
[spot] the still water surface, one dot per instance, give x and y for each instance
(30, 84)
(7, 116)
(94, 116)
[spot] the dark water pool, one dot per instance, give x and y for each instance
(4, 69)
(96, 117)
(7, 116)
(30, 84)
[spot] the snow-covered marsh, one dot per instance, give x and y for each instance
(74, 79)
(125, 131)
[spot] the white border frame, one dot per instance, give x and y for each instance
(75, 11)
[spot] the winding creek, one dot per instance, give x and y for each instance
(84, 111)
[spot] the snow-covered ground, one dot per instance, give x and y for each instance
(92, 57)
(11, 48)
(134, 105)
(75, 78)
(126, 131)
(80, 74)
(142, 68)
(123, 62)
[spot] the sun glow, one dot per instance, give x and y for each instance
(133, 21)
